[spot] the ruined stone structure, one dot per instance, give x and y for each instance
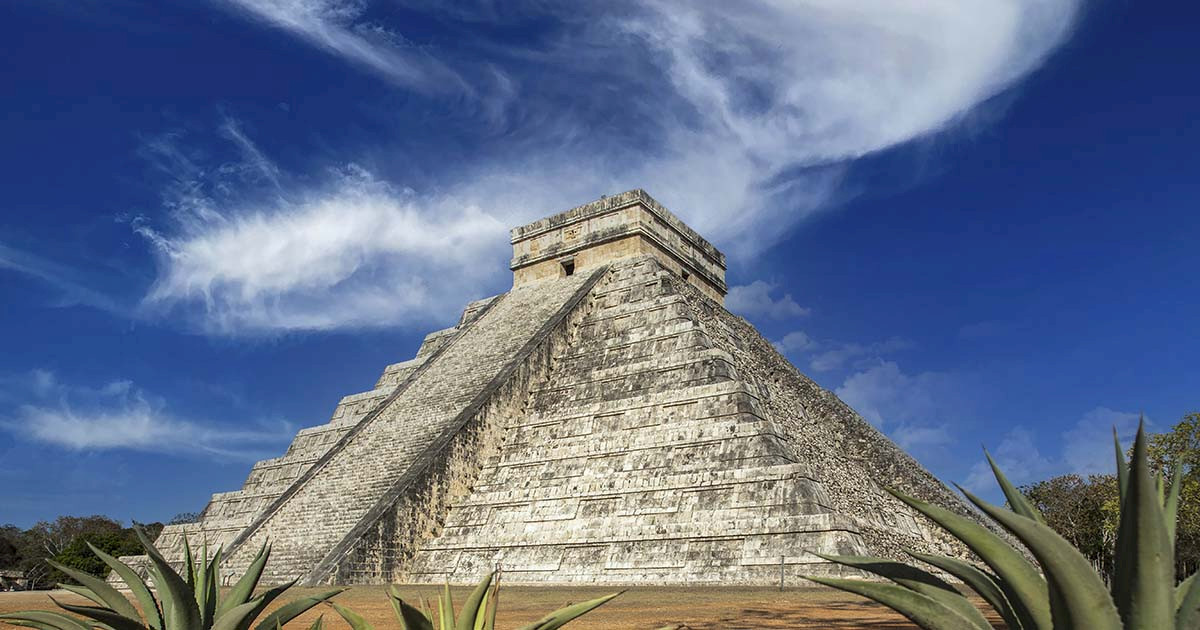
(605, 421)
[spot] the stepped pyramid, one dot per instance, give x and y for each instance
(605, 421)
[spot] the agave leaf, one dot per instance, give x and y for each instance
(44, 619)
(1171, 504)
(208, 612)
(355, 620)
(112, 619)
(918, 581)
(1144, 574)
(291, 610)
(164, 602)
(199, 576)
(918, 608)
(494, 603)
(81, 591)
(410, 618)
(1187, 598)
(231, 619)
(28, 624)
(244, 588)
(481, 617)
(262, 601)
(982, 583)
(318, 624)
(189, 563)
(1016, 500)
(179, 602)
(1122, 467)
(214, 574)
(1022, 584)
(446, 609)
(102, 593)
(470, 609)
(137, 585)
(562, 616)
(1078, 597)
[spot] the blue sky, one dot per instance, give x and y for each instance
(976, 221)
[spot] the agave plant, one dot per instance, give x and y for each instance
(478, 612)
(185, 602)
(1066, 593)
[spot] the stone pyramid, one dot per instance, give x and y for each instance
(605, 421)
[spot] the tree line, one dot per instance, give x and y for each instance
(65, 540)
(1086, 510)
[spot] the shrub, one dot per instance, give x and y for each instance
(185, 602)
(1067, 594)
(193, 601)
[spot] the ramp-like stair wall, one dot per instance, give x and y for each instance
(404, 452)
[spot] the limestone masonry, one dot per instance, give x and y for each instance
(605, 421)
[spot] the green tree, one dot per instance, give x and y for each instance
(10, 555)
(1179, 449)
(50, 539)
(1084, 511)
(117, 543)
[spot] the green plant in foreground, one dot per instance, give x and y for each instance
(1067, 594)
(194, 602)
(477, 613)
(185, 602)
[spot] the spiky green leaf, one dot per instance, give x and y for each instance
(917, 580)
(470, 610)
(1023, 584)
(1078, 597)
(446, 609)
(112, 619)
(244, 588)
(562, 616)
(1171, 504)
(141, 592)
(1187, 598)
(291, 610)
(189, 563)
(984, 584)
(235, 617)
(1016, 500)
(410, 618)
(262, 601)
(918, 608)
(102, 593)
(356, 621)
(179, 602)
(45, 620)
(1122, 467)
(1144, 561)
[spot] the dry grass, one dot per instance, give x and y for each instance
(707, 608)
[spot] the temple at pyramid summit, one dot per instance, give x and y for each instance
(604, 421)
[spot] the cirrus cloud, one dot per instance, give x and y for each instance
(743, 119)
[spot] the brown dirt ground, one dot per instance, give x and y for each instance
(699, 608)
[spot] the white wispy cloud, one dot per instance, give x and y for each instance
(1087, 449)
(743, 120)
(357, 254)
(339, 27)
(755, 300)
(119, 415)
